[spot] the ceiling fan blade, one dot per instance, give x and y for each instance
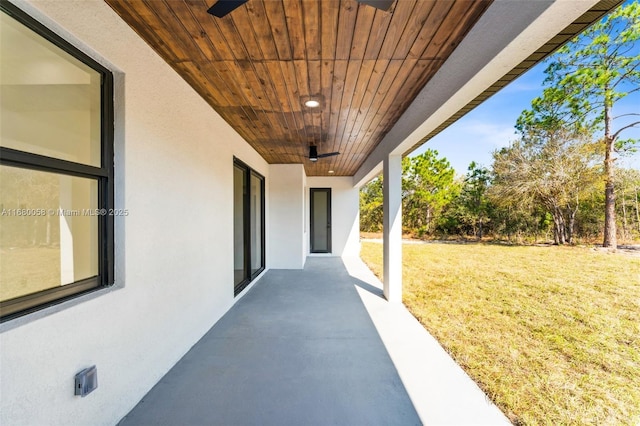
(379, 4)
(223, 7)
(313, 153)
(328, 154)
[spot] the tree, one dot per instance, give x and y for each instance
(471, 212)
(371, 199)
(473, 196)
(628, 187)
(428, 185)
(549, 166)
(590, 75)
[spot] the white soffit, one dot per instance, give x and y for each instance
(506, 34)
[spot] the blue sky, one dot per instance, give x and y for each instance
(490, 126)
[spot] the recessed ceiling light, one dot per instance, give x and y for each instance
(312, 103)
(331, 172)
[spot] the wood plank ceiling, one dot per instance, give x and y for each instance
(258, 65)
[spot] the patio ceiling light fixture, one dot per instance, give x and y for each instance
(312, 103)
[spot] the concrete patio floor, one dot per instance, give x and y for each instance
(316, 346)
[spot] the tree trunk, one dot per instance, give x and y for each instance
(571, 226)
(610, 237)
(428, 219)
(558, 227)
(637, 209)
(572, 212)
(625, 229)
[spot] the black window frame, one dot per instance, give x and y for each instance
(246, 202)
(103, 175)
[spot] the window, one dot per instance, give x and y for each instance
(56, 168)
(248, 225)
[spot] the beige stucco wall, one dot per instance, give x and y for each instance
(345, 212)
(286, 194)
(174, 265)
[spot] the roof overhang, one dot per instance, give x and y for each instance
(507, 35)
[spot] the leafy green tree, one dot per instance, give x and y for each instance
(454, 220)
(428, 185)
(518, 221)
(474, 196)
(589, 223)
(588, 76)
(371, 199)
(471, 211)
(628, 209)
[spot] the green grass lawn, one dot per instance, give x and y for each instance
(551, 334)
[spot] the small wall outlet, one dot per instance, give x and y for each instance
(86, 381)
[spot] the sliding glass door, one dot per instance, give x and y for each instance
(256, 215)
(248, 225)
(239, 190)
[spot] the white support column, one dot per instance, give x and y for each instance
(392, 227)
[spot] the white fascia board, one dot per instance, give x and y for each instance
(506, 34)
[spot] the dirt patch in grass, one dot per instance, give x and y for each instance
(551, 334)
